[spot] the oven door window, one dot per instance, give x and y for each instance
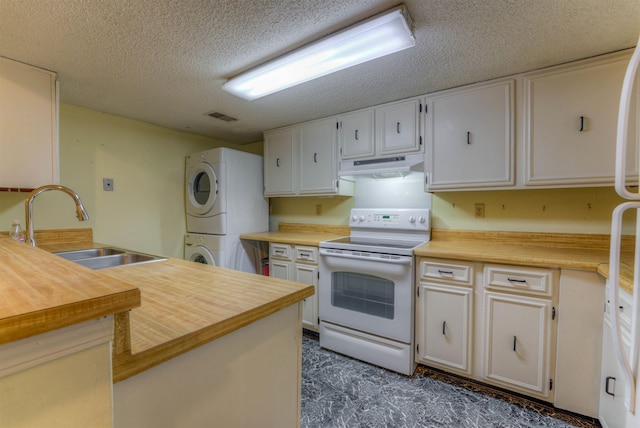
(363, 293)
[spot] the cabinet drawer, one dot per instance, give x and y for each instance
(306, 254)
(280, 251)
(447, 270)
(514, 279)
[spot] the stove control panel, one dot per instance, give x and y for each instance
(396, 218)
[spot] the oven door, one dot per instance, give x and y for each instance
(369, 292)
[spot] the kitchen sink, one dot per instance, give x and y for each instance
(100, 258)
(89, 253)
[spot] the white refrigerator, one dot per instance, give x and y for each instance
(619, 398)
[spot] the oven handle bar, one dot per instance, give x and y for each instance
(401, 260)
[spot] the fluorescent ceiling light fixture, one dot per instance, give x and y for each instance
(373, 38)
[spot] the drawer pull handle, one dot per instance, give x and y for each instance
(397, 127)
(315, 157)
(606, 385)
(444, 326)
(515, 343)
(517, 281)
(278, 162)
(581, 123)
(445, 272)
(468, 137)
(303, 255)
(356, 135)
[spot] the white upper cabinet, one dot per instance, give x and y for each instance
(470, 137)
(302, 160)
(399, 127)
(357, 134)
(280, 161)
(570, 124)
(384, 131)
(318, 157)
(28, 126)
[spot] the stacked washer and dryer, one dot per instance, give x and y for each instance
(224, 199)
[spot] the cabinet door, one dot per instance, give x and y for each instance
(399, 127)
(280, 170)
(28, 126)
(571, 115)
(470, 138)
(318, 157)
(517, 348)
(357, 135)
(281, 269)
(308, 274)
(444, 327)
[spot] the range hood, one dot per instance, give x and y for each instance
(394, 166)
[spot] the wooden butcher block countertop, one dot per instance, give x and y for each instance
(185, 305)
(41, 292)
(300, 234)
(552, 250)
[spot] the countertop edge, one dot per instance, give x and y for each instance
(126, 364)
(33, 323)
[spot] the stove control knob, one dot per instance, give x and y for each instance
(362, 217)
(421, 219)
(354, 217)
(412, 219)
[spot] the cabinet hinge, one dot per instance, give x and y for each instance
(553, 313)
(550, 384)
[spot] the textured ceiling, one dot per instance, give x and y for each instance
(164, 61)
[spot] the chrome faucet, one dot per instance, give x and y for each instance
(81, 213)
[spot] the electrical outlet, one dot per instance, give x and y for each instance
(318, 209)
(107, 184)
(479, 210)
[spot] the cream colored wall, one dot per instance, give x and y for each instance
(146, 209)
(334, 210)
(586, 210)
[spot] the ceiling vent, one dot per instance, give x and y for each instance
(222, 117)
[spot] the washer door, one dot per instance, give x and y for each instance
(200, 254)
(202, 189)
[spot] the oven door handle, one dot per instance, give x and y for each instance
(400, 260)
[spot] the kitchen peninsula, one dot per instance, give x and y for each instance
(191, 343)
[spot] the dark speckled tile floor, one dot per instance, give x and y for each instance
(340, 392)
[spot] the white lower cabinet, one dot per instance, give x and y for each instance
(517, 345)
(298, 263)
(444, 326)
(444, 315)
(493, 323)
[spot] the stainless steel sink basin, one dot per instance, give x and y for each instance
(88, 253)
(100, 258)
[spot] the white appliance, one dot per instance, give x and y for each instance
(219, 250)
(366, 286)
(224, 198)
(224, 193)
(619, 398)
